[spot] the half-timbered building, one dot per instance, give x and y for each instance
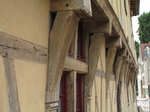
(67, 56)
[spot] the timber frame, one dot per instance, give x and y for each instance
(101, 27)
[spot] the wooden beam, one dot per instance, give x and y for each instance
(61, 36)
(97, 14)
(72, 64)
(96, 97)
(111, 53)
(114, 42)
(80, 7)
(12, 85)
(16, 48)
(126, 73)
(98, 27)
(106, 8)
(118, 65)
(122, 52)
(71, 88)
(71, 78)
(121, 86)
(94, 54)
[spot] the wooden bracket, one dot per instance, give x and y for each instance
(114, 42)
(98, 27)
(122, 52)
(97, 42)
(118, 65)
(61, 37)
(81, 7)
(127, 59)
(110, 62)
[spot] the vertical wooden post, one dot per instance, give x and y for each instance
(94, 54)
(12, 85)
(119, 102)
(71, 86)
(109, 67)
(71, 94)
(111, 53)
(118, 65)
(61, 35)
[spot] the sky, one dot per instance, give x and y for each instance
(144, 7)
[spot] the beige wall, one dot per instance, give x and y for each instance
(4, 103)
(31, 83)
(26, 19)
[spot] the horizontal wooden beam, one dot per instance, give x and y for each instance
(122, 52)
(72, 64)
(98, 27)
(114, 42)
(16, 48)
(80, 7)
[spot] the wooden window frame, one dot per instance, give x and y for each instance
(79, 93)
(63, 92)
(81, 42)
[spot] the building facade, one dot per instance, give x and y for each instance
(143, 78)
(67, 56)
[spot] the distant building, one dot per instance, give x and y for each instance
(143, 77)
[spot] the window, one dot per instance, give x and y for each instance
(81, 40)
(79, 93)
(62, 106)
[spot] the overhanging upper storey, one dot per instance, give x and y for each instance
(134, 7)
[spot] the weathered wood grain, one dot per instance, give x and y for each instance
(16, 48)
(106, 9)
(11, 85)
(118, 69)
(98, 27)
(94, 54)
(114, 42)
(61, 36)
(111, 53)
(71, 88)
(80, 7)
(72, 64)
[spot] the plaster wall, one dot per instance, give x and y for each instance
(31, 83)
(26, 19)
